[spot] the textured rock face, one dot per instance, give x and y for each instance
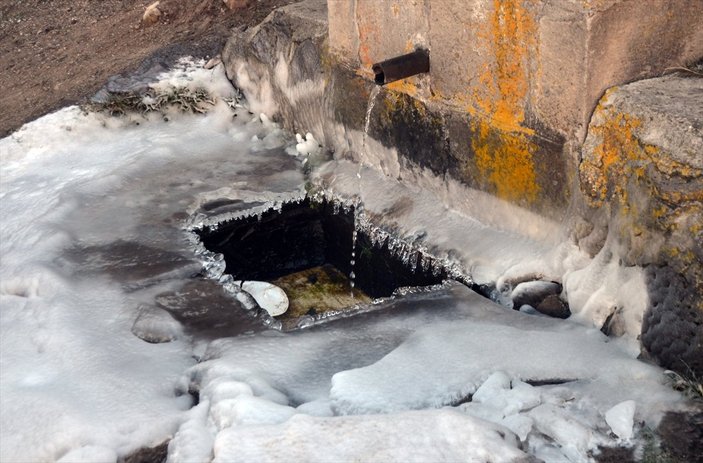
(278, 66)
(643, 167)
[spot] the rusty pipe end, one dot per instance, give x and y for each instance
(379, 76)
(401, 67)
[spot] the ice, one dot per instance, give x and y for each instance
(246, 410)
(193, 442)
(268, 296)
(418, 436)
(154, 324)
(573, 437)
(307, 146)
(92, 212)
(620, 418)
(97, 217)
(90, 454)
(463, 353)
(521, 425)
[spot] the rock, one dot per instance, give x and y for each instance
(89, 454)
(152, 14)
(212, 62)
(236, 4)
(554, 306)
(621, 418)
(543, 296)
(642, 168)
(269, 297)
(156, 325)
(681, 435)
(155, 454)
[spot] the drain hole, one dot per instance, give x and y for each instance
(306, 249)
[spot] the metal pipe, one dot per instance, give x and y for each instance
(402, 66)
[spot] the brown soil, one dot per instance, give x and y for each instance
(55, 53)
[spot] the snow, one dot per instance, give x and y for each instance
(418, 436)
(90, 454)
(88, 236)
(96, 213)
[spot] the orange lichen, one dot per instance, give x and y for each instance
(502, 144)
(505, 159)
(616, 157)
(403, 86)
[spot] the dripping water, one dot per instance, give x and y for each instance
(357, 209)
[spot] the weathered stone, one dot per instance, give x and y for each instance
(643, 168)
(505, 108)
(672, 328)
(543, 296)
(278, 66)
(236, 4)
(682, 435)
(152, 14)
(553, 306)
(157, 454)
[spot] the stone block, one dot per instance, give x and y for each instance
(279, 65)
(343, 38)
(388, 28)
(643, 166)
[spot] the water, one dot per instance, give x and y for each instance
(369, 109)
(375, 91)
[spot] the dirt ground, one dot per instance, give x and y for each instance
(59, 52)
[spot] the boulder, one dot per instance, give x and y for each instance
(642, 169)
(543, 296)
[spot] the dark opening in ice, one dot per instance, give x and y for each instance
(312, 241)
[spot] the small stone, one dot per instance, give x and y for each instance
(553, 306)
(212, 62)
(543, 296)
(151, 14)
(269, 297)
(236, 4)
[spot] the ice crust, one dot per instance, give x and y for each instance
(97, 218)
(418, 436)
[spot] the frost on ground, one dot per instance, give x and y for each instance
(94, 211)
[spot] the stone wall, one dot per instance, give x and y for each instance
(523, 75)
(508, 108)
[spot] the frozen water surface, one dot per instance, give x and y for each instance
(95, 212)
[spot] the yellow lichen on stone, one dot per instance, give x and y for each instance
(615, 158)
(502, 144)
(403, 86)
(505, 159)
